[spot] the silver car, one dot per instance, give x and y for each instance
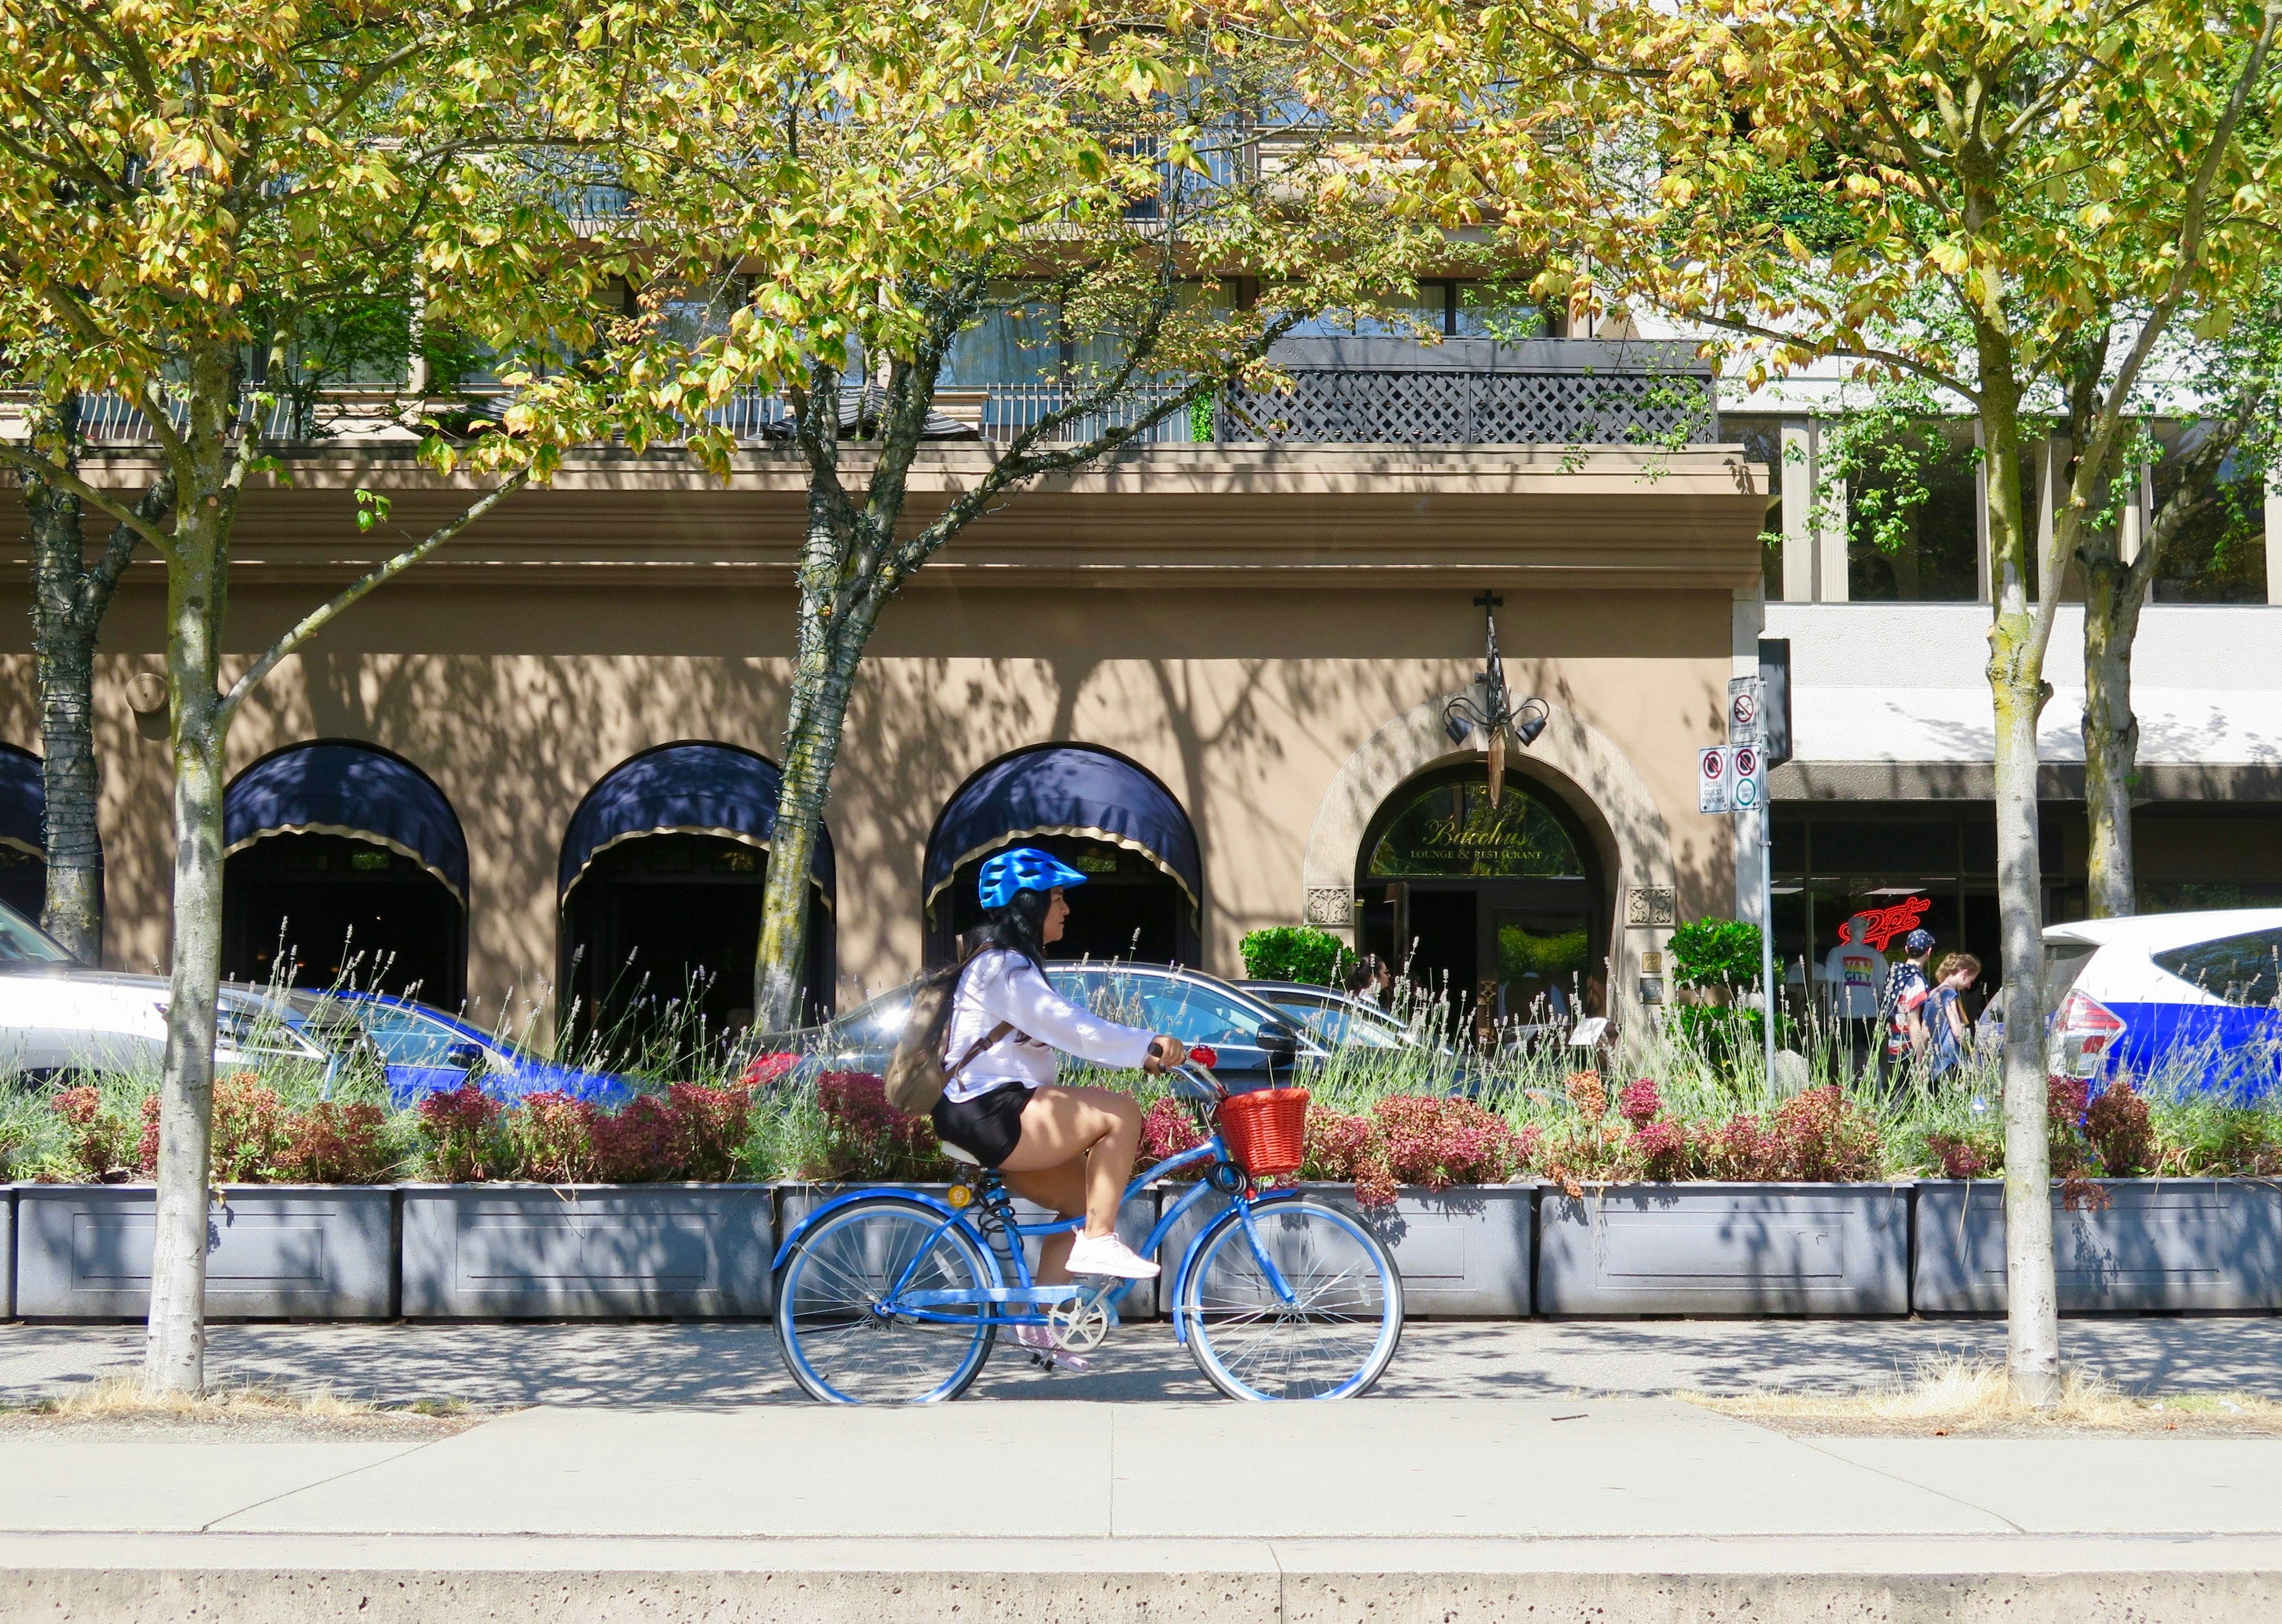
(58, 1016)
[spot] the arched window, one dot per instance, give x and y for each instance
(1106, 817)
(345, 865)
(661, 877)
(1498, 910)
(23, 832)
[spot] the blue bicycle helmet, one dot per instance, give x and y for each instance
(1025, 868)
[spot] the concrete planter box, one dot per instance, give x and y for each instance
(273, 1252)
(587, 1251)
(1720, 1249)
(1135, 1220)
(1464, 1253)
(2162, 1243)
(7, 1252)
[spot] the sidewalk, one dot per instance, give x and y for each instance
(1638, 1510)
(726, 1362)
(1512, 1472)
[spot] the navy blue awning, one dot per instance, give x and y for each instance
(683, 790)
(348, 789)
(1063, 790)
(23, 802)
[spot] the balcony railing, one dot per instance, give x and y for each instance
(1341, 393)
(1382, 392)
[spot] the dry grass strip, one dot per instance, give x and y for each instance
(1957, 1397)
(122, 1403)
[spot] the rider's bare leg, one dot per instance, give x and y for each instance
(1061, 1189)
(1100, 1124)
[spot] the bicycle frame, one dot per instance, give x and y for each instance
(932, 1307)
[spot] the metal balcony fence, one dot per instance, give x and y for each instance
(1552, 394)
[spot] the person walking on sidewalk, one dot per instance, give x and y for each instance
(1949, 1038)
(1902, 1007)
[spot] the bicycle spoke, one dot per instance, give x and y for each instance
(1335, 1331)
(836, 1322)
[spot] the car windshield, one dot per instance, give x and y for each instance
(873, 1029)
(409, 1037)
(1337, 1022)
(1192, 1011)
(21, 941)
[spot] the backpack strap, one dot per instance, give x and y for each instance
(989, 1039)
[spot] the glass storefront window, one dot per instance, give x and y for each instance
(1913, 516)
(2219, 556)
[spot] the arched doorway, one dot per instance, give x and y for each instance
(344, 865)
(23, 832)
(1106, 817)
(661, 879)
(1501, 910)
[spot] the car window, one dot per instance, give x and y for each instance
(2245, 969)
(2064, 961)
(1194, 1012)
(877, 1025)
(251, 1029)
(21, 941)
(406, 1038)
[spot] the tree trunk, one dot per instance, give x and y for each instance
(2113, 594)
(63, 639)
(198, 583)
(811, 747)
(2017, 695)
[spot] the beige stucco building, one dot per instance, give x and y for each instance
(1269, 632)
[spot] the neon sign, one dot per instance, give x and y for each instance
(1883, 925)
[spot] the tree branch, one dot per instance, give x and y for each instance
(387, 569)
(31, 461)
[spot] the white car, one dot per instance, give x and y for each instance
(58, 1016)
(2188, 998)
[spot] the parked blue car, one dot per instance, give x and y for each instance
(427, 1052)
(2175, 999)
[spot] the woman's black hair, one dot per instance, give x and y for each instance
(1019, 927)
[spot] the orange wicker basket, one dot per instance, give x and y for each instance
(1266, 1129)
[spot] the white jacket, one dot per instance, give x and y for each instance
(1000, 985)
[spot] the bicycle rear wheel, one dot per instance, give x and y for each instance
(841, 1343)
(1334, 1338)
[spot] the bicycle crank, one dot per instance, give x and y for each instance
(1079, 1324)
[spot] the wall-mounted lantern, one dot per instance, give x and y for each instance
(1487, 703)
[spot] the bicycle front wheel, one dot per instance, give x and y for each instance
(844, 1342)
(1331, 1338)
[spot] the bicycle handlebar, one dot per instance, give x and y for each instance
(1198, 1069)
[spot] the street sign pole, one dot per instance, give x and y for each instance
(1747, 726)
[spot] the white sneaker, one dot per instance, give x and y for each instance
(1107, 1255)
(1039, 1342)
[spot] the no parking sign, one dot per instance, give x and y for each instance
(1730, 777)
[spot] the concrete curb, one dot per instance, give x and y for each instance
(142, 1579)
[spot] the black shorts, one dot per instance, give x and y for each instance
(987, 1127)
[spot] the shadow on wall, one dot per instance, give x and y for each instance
(1246, 739)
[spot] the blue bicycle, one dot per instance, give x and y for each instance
(897, 1297)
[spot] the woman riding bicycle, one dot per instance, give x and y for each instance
(1071, 1149)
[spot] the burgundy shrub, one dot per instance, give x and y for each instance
(639, 1144)
(459, 1128)
(1640, 1104)
(335, 1144)
(2122, 1131)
